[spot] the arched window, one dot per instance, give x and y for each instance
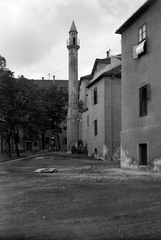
(74, 40)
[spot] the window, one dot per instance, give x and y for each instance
(35, 144)
(65, 126)
(87, 120)
(144, 96)
(95, 95)
(142, 33)
(64, 140)
(47, 140)
(95, 128)
(74, 40)
(86, 100)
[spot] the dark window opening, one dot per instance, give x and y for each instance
(35, 144)
(28, 146)
(95, 128)
(144, 96)
(47, 140)
(88, 121)
(65, 127)
(95, 95)
(65, 140)
(143, 154)
(74, 40)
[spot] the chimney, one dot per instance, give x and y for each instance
(53, 77)
(108, 53)
(42, 78)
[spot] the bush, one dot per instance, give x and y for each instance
(86, 150)
(80, 149)
(74, 150)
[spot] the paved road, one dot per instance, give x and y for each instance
(84, 200)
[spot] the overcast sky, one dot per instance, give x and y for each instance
(33, 33)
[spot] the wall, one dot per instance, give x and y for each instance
(112, 113)
(145, 69)
(84, 129)
(96, 112)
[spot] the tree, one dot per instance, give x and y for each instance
(3, 131)
(26, 107)
(2, 63)
(81, 106)
(18, 99)
(56, 109)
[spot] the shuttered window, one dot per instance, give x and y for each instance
(144, 97)
(87, 120)
(95, 95)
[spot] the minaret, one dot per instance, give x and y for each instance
(72, 117)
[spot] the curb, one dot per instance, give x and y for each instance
(23, 158)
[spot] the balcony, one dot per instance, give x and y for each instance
(71, 42)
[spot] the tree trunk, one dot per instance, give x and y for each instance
(1, 142)
(59, 147)
(43, 141)
(9, 143)
(16, 143)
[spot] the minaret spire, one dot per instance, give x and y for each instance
(73, 28)
(72, 118)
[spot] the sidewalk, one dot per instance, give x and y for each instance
(5, 158)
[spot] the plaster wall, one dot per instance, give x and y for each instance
(96, 112)
(135, 73)
(84, 128)
(112, 113)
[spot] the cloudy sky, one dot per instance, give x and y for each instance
(33, 33)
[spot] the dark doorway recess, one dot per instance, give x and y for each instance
(143, 154)
(29, 146)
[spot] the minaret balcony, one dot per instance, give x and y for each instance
(73, 43)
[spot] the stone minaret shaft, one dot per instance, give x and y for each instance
(72, 117)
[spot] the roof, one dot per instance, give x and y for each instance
(73, 28)
(111, 69)
(48, 83)
(104, 60)
(135, 16)
(86, 77)
(89, 77)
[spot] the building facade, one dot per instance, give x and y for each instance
(100, 122)
(141, 88)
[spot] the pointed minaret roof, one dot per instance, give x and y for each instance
(73, 28)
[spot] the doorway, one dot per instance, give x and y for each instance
(29, 146)
(143, 154)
